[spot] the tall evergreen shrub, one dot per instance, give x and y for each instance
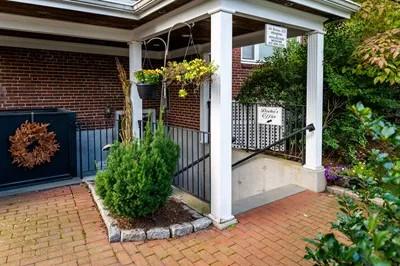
(138, 178)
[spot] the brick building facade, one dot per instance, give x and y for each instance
(85, 83)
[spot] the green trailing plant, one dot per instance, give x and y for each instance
(149, 76)
(188, 74)
(138, 178)
(371, 227)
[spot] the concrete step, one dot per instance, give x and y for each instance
(266, 197)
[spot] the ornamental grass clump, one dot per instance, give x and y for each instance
(138, 178)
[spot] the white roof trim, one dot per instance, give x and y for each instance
(99, 7)
(32, 43)
(129, 9)
(137, 9)
(64, 28)
(340, 8)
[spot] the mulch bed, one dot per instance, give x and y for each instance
(172, 213)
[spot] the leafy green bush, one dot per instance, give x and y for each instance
(280, 79)
(138, 177)
(372, 229)
(344, 140)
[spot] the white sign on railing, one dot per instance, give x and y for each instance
(269, 115)
(275, 36)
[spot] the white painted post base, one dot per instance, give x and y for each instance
(313, 180)
(222, 224)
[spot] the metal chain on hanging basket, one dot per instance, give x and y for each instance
(188, 74)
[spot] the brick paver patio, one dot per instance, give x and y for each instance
(62, 227)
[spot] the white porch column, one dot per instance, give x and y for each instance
(135, 64)
(314, 111)
(221, 120)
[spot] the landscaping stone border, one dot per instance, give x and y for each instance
(341, 191)
(115, 234)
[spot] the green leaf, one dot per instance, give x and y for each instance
(380, 238)
(387, 132)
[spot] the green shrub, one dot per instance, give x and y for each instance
(344, 141)
(373, 230)
(138, 177)
(280, 79)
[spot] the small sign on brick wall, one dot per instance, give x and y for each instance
(275, 36)
(269, 115)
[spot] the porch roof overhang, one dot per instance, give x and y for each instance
(138, 9)
(83, 20)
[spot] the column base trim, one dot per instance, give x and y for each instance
(312, 178)
(222, 224)
(314, 168)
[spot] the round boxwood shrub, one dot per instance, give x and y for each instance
(138, 178)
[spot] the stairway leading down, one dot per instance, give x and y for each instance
(266, 197)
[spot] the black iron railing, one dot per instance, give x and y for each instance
(90, 142)
(250, 135)
(309, 127)
(193, 170)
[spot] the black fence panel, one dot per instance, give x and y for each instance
(62, 165)
(193, 169)
(91, 140)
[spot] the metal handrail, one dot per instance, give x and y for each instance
(194, 163)
(309, 127)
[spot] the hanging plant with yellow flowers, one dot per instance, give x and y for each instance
(188, 74)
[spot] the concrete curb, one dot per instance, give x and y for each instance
(341, 191)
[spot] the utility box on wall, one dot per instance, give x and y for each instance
(62, 164)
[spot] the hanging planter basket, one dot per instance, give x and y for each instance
(147, 82)
(189, 75)
(147, 91)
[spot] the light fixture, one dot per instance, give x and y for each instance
(108, 111)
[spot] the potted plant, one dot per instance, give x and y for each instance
(189, 74)
(147, 81)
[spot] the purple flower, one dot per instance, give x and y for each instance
(333, 173)
(330, 173)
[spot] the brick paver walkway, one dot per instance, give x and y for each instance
(62, 227)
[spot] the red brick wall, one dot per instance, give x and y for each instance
(184, 112)
(83, 83)
(239, 71)
(86, 84)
